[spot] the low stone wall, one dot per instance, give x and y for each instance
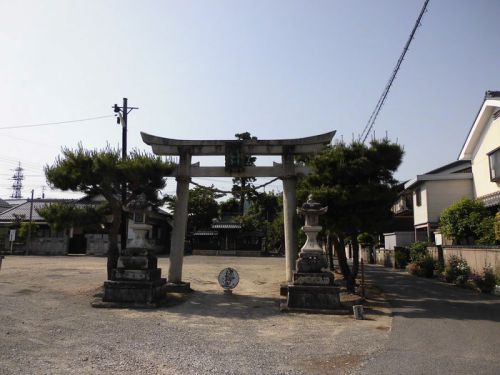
(97, 244)
(477, 257)
(367, 253)
(41, 246)
(384, 257)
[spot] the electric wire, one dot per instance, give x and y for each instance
(373, 117)
(55, 123)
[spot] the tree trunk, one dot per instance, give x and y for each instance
(351, 279)
(339, 245)
(242, 197)
(329, 250)
(113, 240)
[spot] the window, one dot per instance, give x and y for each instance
(494, 158)
(418, 196)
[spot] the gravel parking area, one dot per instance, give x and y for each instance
(47, 325)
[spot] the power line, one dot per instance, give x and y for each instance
(55, 123)
(371, 121)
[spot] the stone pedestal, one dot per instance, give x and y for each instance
(313, 292)
(136, 281)
(313, 297)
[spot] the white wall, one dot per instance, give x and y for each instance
(398, 239)
(420, 213)
(490, 140)
(441, 194)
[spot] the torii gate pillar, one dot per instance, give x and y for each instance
(180, 218)
(289, 213)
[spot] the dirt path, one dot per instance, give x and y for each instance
(47, 325)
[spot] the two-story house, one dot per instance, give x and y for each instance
(482, 148)
(476, 173)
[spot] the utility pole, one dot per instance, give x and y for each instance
(123, 112)
(31, 219)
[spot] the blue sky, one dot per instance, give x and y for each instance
(209, 69)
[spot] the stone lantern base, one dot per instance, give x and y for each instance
(313, 297)
(136, 282)
(313, 292)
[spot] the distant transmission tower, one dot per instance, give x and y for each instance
(17, 185)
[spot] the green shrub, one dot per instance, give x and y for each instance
(496, 226)
(423, 267)
(485, 282)
(457, 271)
(413, 269)
(418, 250)
(426, 265)
(401, 256)
(439, 267)
(486, 231)
(24, 230)
(365, 239)
(464, 221)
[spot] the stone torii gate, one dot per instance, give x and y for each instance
(235, 152)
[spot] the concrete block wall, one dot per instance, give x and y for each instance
(477, 257)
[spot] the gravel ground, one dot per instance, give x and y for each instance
(47, 325)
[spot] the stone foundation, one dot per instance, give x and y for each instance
(144, 292)
(312, 292)
(136, 281)
(313, 297)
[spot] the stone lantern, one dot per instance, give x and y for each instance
(139, 206)
(137, 279)
(311, 256)
(312, 288)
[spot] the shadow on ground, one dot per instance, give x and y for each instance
(414, 297)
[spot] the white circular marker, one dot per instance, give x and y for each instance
(228, 279)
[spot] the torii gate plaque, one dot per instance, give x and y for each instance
(287, 171)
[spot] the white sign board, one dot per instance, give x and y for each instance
(12, 235)
(438, 238)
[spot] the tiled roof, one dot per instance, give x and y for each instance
(15, 201)
(4, 205)
(490, 200)
(226, 226)
(9, 215)
(205, 233)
